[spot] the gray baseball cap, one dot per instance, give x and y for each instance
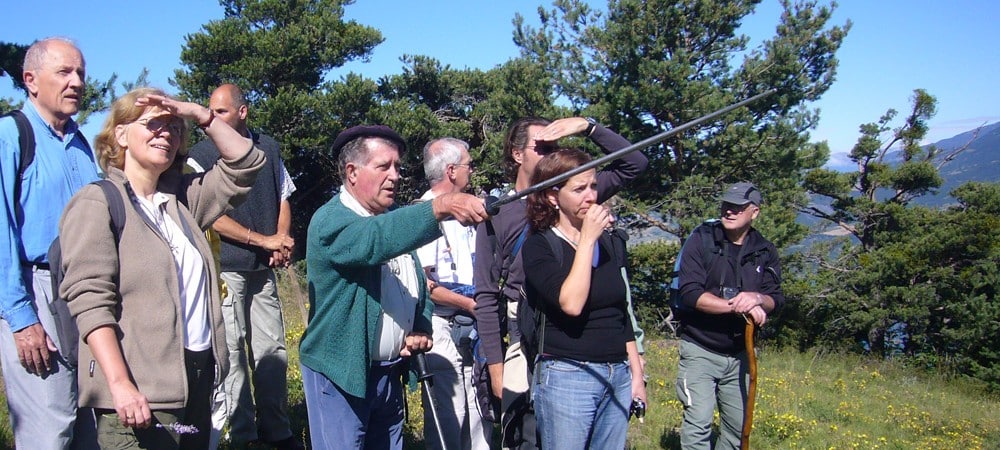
(741, 194)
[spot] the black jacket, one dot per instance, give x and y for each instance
(708, 262)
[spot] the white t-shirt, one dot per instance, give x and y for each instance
(450, 257)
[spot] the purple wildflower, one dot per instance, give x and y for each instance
(179, 428)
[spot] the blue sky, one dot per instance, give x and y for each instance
(894, 47)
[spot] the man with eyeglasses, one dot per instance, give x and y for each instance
(448, 264)
(38, 336)
(728, 273)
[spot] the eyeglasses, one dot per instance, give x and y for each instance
(735, 209)
(160, 123)
(469, 165)
(543, 149)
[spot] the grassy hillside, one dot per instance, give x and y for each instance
(812, 401)
(805, 401)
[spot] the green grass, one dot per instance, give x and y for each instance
(809, 401)
(805, 401)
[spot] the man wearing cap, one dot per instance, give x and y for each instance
(726, 271)
(368, 296)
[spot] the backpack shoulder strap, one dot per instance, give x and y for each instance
(554, 244)
(509, 259)
(26, 140)
(517, 245)
(709, 246)
(116, 206)
(710, 249)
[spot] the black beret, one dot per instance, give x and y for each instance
(357, 131)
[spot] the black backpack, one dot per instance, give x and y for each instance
(709, 248)
(116, 206)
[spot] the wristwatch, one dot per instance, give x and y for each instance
(591, 124)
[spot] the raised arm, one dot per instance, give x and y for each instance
(614, 176)
(231, 144)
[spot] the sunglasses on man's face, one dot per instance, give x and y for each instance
(734, 208)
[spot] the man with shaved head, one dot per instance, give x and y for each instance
(255, 239)
(38, 336)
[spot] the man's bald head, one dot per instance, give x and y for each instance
(229, 104)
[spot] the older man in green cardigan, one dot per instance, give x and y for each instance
(369, 305)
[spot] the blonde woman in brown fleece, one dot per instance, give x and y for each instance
(147, 303)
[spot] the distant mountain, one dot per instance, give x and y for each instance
(979, 162)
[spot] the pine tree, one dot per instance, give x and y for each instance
(644, 67)
(902, 278)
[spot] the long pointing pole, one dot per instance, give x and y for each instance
(494, 207)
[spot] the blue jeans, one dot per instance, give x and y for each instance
(582, 404)
(339, 420)
(705, 380)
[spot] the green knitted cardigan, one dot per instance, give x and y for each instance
(344, 253)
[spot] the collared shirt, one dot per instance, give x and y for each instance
(62, 165)
(192, 275)
(450, 257)
(400, 291)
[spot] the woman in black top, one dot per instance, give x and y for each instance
(588, 370)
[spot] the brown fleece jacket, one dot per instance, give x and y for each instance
(135, 288)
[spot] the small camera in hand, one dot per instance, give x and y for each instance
(638, 409)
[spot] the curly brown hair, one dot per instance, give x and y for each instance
(124, 111)
(541, 214)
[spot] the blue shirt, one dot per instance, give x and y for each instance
(62, 165)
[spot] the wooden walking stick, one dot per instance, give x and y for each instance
(752, 385)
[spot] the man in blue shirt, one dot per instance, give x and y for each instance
(38, 336)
